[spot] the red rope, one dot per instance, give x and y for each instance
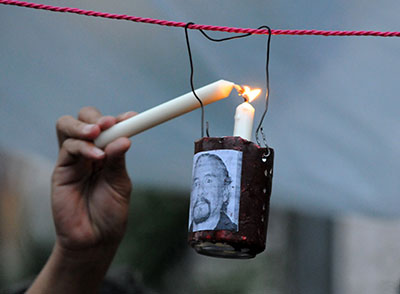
(197, 26)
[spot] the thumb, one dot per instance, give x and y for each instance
(115, 167)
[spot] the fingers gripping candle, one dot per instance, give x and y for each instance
(166, 111)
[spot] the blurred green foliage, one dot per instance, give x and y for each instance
(156, 237)
(155, 253)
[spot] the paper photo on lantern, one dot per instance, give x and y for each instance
(215, 196)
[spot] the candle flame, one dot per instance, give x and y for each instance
(247, 93)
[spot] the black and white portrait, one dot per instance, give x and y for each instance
(215, 196)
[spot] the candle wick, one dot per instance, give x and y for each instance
(241, 93)
(239, 89)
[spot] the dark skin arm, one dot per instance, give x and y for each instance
(90, 192)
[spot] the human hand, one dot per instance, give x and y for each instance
(90, 191)
(90, 186)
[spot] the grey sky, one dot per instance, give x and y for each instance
(334, 108)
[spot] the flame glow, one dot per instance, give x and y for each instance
(248, 94)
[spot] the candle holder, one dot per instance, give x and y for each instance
(230, 196)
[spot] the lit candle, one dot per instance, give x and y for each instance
(244, 115)
(164, 112)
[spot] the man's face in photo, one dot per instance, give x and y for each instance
(208, 189)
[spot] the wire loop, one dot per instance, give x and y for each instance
(259, 129)
(192, 69)
(191, 78)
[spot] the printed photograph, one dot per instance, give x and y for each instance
(215, 196)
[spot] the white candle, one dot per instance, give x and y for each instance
(244, 117)
(164, 112)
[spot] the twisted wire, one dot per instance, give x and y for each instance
(197, 26)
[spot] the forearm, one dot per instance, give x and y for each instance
(73, 272)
